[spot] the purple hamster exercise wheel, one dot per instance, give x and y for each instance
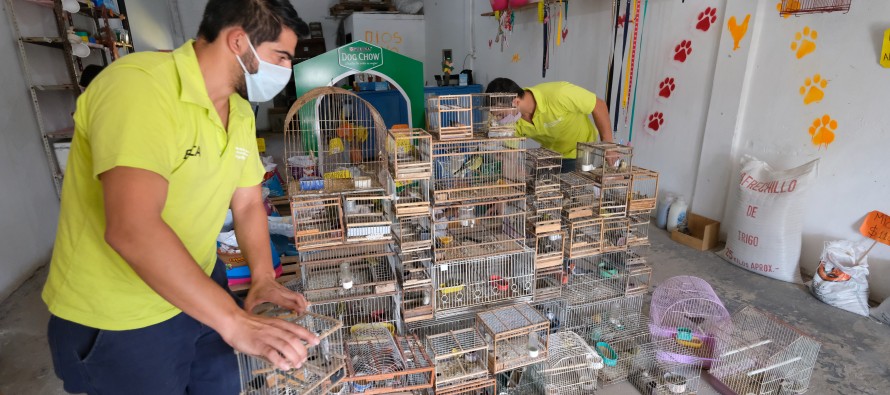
(687, 309)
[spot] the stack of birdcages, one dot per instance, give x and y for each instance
(544, 226)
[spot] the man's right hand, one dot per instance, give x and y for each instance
(282, 343)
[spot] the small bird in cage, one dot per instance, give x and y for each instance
(472, 163)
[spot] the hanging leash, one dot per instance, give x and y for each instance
(617, 104)
(633, 110)
(616, 4)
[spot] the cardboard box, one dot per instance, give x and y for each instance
(704, 233)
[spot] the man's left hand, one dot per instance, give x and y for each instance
(271, 291)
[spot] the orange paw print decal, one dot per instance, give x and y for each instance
(813, 89)
(804, 42)
(822, 131)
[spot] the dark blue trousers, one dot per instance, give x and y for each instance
(177, 356)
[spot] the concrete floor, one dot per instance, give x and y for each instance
(855, 355)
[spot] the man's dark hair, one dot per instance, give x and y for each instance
(261, 19)
(89, 73)
(504, 85)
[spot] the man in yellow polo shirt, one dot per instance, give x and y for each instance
(164, 144)
(557, 115)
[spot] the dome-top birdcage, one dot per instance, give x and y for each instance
(334, 141)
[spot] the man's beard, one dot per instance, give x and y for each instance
(241, 79)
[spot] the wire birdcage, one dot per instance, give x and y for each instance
(548, 283)
(656, 370)
(414, 233)
(324, 366)
(605, 319)
(344, 253)
(554, 310)
(516, 334)
(543, 167)
(579, 193)
(571, 367)
(415, 266)
(798, 7)
(366, 217)
(477, 169)
(638, 232)
(410, 196)
(514, 382)
(379, 362)
(545, 212)
(596, 277)
(759, 353)
(548, 249)
(460, 357)
(604, 161)
(318, 221)
(408, 154)
(375, 311)
(417, 285)
(450, 117)
(478, 229)
(425, 329)
(588, 237)
(479, 387)
(688, 309)
(610, 197)
(639, 274)
(473, 283)
(618, 350)
(333, 143)
(644, 190)
(348, 279)
(494, 114)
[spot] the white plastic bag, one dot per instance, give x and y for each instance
(764, 226)
(882, 312)
(841, 282)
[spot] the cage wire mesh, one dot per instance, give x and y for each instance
(686, 308)
(639, 274)
(468, 284)
(595, 277)
(372, 311)
(604, 161)
(610, 198)
(619, 349)
(477, 169)
(337, 254)
(796, 7)
(333, 143)
(548, 249)
(571, 366)
(548, 283)
(554, 310)
(516, 334)
(605, 319)
(761, 354)
(379, 362)
(460, 357)
(543, 167)
(486, 386)
(644, 190)
(657, 370)
(408, 154)
(579, 193)
(478, 229)
(323, 369)
(494, 114)
(318, 222)
(513, 382)
(450, 117)
(348, 279)
(425, 329)
(366, 217)
(417, 285)
(414, 232)
(410, 196)
(638, 231)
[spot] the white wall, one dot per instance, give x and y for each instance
(152, 24)
(28, 204)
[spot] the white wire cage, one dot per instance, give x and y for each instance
(366, 217)
(318, 221)
(408, 153)
(346, 252)
(687, 309)
(323, 369)
(761, 354)
(486, 386)
(478, 169)
(644, 190)
(467, 284)
(372, 311)
(605, 319)
(597, 277)
(460, 357)
(554, 310)
(588, 237)
(618, 350)
(516, 335)
(450, 117)
(414, 232)
(494, 114)
(514, 382)
(347, 279)
(334, 142)
(478, 229)
(543, 167)
(548, 248)
(425, 329)
(379, 362)
(658, 368)
(571, 368)
(604, 160)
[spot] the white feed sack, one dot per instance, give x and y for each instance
(764, 228)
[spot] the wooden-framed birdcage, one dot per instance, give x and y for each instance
(548, 283)
(467, 284)
(366, 216)
(450, 117)
(542, 166)
(460, 357)
(376, 311)
(333, 142)
(477, 169)
(544, 212)
(470, 230)
(494, 114)
(417, 285)
(571, 366)
(408, 153)
(610, 197)
(602, 160)
(658, 368)
(799, 7)
(760, 353)
(548, 248)
(516, 334)
(409, 196)
(347, 279)
(638, 231)
(318, 221)
(324, 367)
(639, 273)
(379, 362)
(578, 194)
(425, 329)
(595, 236)
(486, 386)
(596, 277)
(644, 189)
(414, 232)
(347, 252)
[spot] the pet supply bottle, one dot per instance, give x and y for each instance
(661, 212)
(677, 215)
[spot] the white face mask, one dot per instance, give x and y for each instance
(268, 80)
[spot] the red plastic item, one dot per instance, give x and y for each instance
(498, 5)
(518, 3)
